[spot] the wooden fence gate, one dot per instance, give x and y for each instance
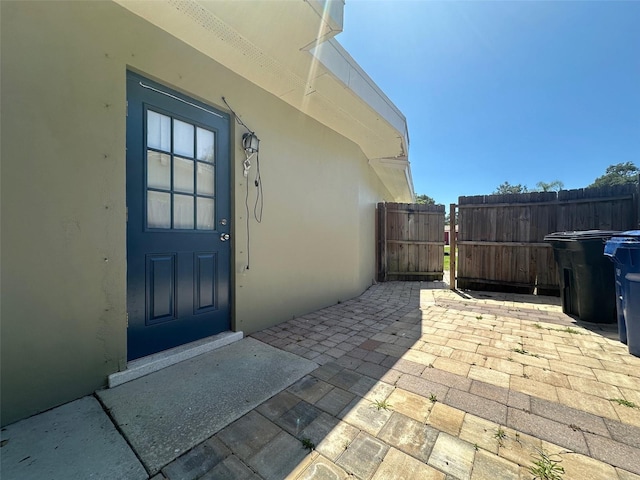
(501, 237)
(410, 242)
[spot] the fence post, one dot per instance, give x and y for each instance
(383, 242)
(452, 246)
(637, 202)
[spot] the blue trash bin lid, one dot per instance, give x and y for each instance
(628, 239)
(632, 234)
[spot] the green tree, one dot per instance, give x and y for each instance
(425, 200)
(550, 187)
(506, 187)
(618, 174)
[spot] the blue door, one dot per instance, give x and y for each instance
(178, 219)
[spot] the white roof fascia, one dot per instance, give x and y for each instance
(331, 13)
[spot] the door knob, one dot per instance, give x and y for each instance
(224, 237)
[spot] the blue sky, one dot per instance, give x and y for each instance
(516, 91)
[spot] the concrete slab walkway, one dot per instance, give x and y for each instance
(76, 440)
(416, 381)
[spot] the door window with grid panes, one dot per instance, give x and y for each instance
(180, 174)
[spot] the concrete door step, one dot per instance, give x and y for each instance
(166, 413)
(152, 363)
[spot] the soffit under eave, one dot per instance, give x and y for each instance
(382, 144)
(395, 173)
(295, 82)
(279, 65)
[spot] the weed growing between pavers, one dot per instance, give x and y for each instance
(500, 435)
(622, 401)
(433, 398)
(522, 351)
(382, 405)
(545, 467)
(566, 329)
(308, 444)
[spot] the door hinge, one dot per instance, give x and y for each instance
(127, 319)
(127, 214)
(127, 107)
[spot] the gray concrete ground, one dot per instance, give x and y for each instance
(76, 440)
(414, 381)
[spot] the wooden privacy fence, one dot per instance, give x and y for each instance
(501, 237)
(410, 241)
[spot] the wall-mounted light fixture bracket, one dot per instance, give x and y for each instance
(251, 145)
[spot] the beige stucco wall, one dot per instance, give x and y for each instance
(63, 305)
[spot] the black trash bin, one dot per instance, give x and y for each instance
(587, 284)
(624, 250)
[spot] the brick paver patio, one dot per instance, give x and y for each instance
(418, 382)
